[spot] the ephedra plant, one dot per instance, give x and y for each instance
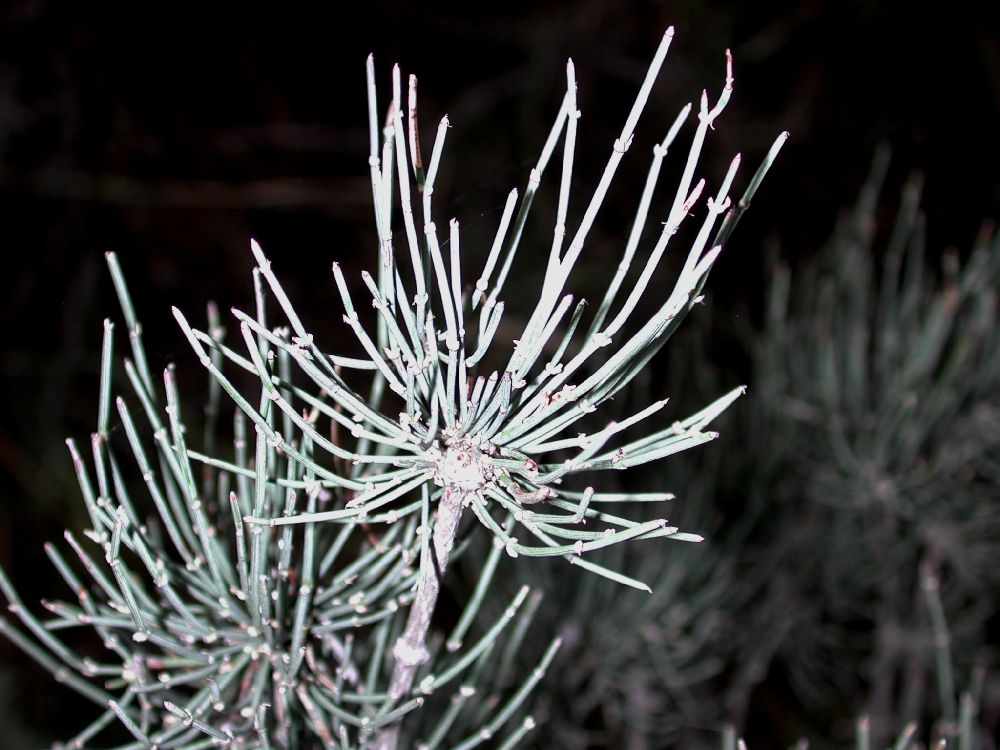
(284, 592)
(877, 378)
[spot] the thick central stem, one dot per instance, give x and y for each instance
(410, 650)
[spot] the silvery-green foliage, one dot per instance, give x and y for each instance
(658, 669)
(642, 673)
(219, 635)
(283, 591)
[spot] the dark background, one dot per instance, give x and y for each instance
(172, 133)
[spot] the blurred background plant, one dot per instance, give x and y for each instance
(879, 377)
